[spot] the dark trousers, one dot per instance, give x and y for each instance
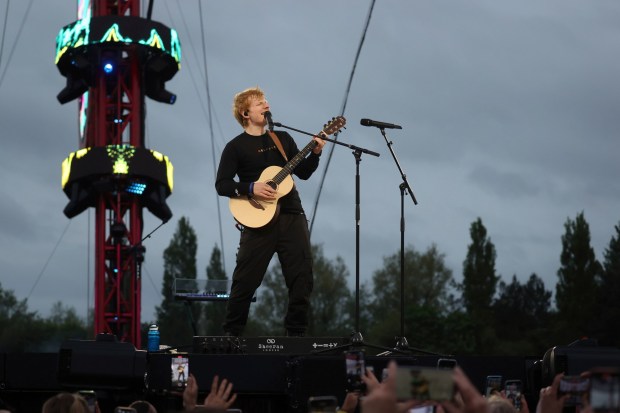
(288, 236)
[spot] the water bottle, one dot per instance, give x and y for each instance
(153, 338)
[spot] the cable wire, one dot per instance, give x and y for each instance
(48, 259)
(19, 32)
(189, 66)
(204, 57)
(150, 278)
(6, 17)
(344, 106)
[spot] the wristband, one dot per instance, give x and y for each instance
(251, 190)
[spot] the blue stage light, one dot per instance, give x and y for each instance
(136, 188)
(108, 68)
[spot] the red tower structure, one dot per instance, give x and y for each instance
(113, 58)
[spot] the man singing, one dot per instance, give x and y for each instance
(245, 157)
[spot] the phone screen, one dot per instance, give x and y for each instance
(322, 404)
(513, 390)
(424, 383)
(605, 392)
(576, 387)
(91, 399)
(493, 384)
(355, 367)
(422, 409)
(179, 365)
(122, 409)
(446, 364)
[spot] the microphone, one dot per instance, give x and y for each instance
(377, 124)
(267, 116)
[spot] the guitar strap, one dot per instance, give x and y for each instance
(276, 140)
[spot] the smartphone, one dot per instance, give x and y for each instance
(513, 389)
(422, 409)
(605, 391)
(424, 383)
(179, 366)
(446, 364)
(91, 399)
(493, 384)
(320, 404)
(577, 389)
(355, 367)
(123, 409)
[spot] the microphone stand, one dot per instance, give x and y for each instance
(355, 148)
(401, 342)
(357, 340)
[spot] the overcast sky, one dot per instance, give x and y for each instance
(509, 112)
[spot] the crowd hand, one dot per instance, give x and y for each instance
(524, 407)
(549, 402)
(468, 399)
(352, 398)
(263, 190)
(382, 397)
(350, 402)
(190, 394)
(220, 396)
(371, 380)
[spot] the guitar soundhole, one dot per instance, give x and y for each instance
(273, 185)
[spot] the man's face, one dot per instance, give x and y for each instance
(258, 106)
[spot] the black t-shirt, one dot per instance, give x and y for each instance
(246, 157)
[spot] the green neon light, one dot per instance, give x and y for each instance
(78, 34)
(72, 36)
(175, 47)
(121, 154)
(114, 35)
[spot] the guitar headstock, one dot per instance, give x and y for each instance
(334, 125)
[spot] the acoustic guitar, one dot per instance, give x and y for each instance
(255, 212)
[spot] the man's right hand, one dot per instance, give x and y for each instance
(263, 190)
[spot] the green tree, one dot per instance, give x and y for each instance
(458, 338)
(20, 329)
(215, 311)
(522, 316)
(366, 315)
(578, 276)
(479, 285)
(426, 279)
(62, 324)
(329, 309)
(174, 317)
(607, 302)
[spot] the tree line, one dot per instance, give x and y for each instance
(482, 314)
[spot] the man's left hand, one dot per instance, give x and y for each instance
(319, 147)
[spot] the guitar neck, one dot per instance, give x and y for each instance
(292, 164)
